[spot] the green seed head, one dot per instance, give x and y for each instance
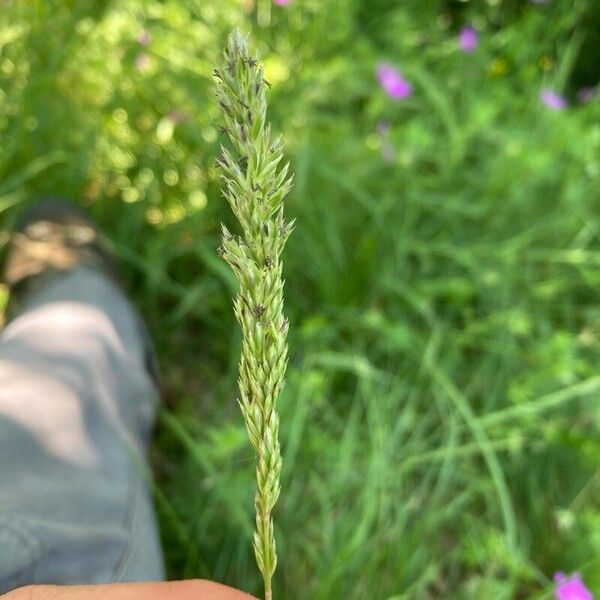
(255, 184)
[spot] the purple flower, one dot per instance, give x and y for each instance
(468, 39)
(392, 82)
(553, 100)
(282, 2)
(571, 588)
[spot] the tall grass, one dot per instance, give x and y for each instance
(440, 421)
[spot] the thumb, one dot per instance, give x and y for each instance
(172, 590)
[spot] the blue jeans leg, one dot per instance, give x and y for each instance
(77, 407)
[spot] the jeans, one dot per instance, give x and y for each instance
(77, 407)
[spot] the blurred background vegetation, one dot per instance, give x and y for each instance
(441, 423)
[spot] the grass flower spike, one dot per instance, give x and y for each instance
(255, 185)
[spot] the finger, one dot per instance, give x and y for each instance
(172, 590)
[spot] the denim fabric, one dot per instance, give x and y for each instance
(77, 406)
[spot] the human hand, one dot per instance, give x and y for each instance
(171, 590)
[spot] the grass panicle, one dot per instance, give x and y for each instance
(256, 183)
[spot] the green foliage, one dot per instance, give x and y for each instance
(440, 422)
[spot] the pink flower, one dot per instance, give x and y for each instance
(468, 39)
(392, 82)
(553, 100)
(144, 38)
(282, 2)
(571, 588)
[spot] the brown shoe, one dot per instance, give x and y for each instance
(53, 236)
